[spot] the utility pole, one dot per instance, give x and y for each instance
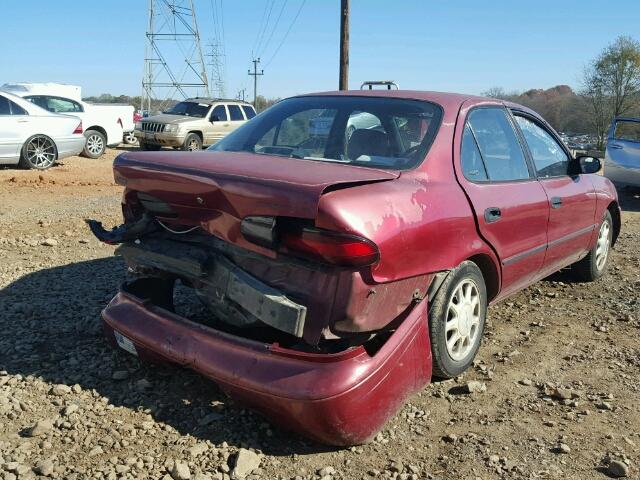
(344, 45)
(255, 75)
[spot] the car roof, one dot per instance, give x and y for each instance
(211, 101)
(446, 100)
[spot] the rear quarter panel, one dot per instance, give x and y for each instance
(421, 222)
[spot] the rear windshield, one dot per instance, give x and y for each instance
(627, 130)
(189, 109)
(368, 131)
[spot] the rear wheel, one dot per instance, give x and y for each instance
(95, 145)
(593, 266)
(38, 152)
(192, 143)
(456, 320)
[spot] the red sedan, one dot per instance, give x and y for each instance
(335, 270)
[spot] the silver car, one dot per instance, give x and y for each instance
(622, 157)
(32, 137)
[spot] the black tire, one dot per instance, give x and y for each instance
(31, 159)
(590, 268)
(445, 365)
(149, 147)
(192, 143)
(95, 145)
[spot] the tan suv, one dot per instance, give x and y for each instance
(192, 124)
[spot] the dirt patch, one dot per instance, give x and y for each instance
(560, 363)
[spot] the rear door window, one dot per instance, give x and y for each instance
(499, 147)
(548, 156)
(4, 106)
(17, 109)
(219, 114)
(627, 131)
(249, 112)
(235, 113)
(472, 165)
(7, 107)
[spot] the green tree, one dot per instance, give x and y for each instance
(611, 83)
(263, 103)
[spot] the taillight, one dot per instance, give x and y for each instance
(324, 246)
(341, 249)
(78, 129)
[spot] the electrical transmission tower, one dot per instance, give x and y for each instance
(216, 64)
(173, 61)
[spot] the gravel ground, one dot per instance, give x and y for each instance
(560, 363)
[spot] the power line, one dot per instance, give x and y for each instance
(273, 30)
(264, 15)
(266, 26)
(286, 34)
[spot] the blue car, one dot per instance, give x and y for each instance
(622, 157)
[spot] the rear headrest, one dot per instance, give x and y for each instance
(368, 142)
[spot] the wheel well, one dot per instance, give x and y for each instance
(197, 132)
(489, 273)
(98, 129)
(614, 210)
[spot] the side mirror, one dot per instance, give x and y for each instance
(589, 164)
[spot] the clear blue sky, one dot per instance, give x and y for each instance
(463, 46)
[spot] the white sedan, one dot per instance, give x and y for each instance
(32, 137)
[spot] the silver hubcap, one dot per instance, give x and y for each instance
(41, 152)
(602, 247)
(95, 145)
(463, 320)
(193, 145)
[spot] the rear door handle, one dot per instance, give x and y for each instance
(556, 202)
(492, 214)
(23, 120)
(615, 146)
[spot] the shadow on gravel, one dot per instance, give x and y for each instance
(51, 328)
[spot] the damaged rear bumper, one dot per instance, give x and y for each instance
(339, 399)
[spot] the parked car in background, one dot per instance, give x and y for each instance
(105, 124)
(321, 125)
(192, 124)
(622, 156)
(35, 138)
(337, 276)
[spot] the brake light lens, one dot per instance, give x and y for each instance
(78, 129)
(334, 248)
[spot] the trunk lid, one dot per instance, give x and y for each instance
(216, 190)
